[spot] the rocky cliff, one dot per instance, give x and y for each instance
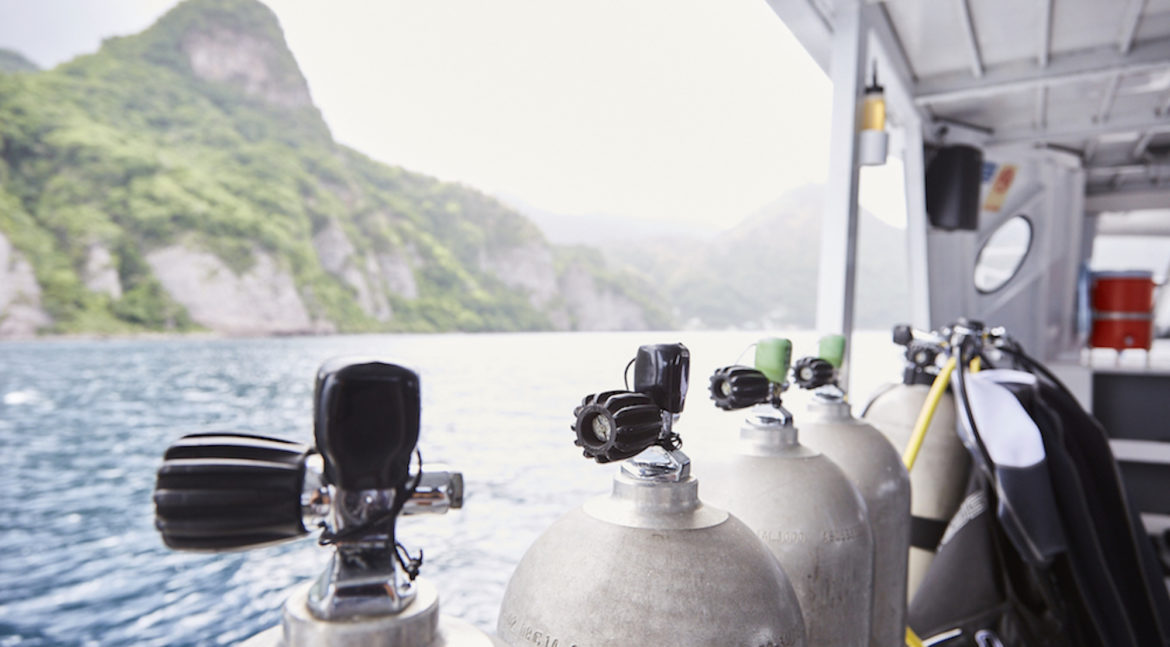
(21, 313)
(182, 178)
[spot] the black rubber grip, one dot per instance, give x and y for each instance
(228, 491)
(738, 387)
(813, 373)
(616, 425)
(903, 334)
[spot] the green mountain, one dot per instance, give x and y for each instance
(763, 272)
(182, 178)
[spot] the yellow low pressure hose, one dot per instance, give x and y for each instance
(912, 639)
(937, 389)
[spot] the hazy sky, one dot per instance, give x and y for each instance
(698, 111)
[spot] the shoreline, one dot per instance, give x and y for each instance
(218, 336)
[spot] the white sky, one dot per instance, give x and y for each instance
(688, 110)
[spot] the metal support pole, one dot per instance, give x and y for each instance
(1045, 33)
(917, 226)
(972, 38)
(1107, 99)
(1132, 18)
(837, 275)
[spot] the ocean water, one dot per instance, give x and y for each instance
(84, 424)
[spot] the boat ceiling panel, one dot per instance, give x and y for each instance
(1155, 22)
(929, 38)
(1130, 105)
(1114, 151)
(1091, 77)
(1072, 106)
(1086, 24)
(1013, 112)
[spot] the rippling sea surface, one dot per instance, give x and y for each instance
(84, 424)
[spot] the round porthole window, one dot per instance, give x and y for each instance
(1003, 254)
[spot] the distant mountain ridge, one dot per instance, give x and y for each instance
(762, 273)
(182, 178)
(11, 61)
(568, 229)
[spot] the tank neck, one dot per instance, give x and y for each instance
(416, 625)
(653, 497)
(766, 433)
(654, 505)
(829, 409)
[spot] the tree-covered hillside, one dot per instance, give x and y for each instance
(182, 178)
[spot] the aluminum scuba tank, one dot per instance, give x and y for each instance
(649, 564)
(875, 468)
(939, 478)
(232, 491)
(797, 500)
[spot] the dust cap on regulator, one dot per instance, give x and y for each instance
(673, 570)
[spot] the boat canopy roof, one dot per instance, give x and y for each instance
(1087, 77)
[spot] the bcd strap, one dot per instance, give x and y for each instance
(926, 533)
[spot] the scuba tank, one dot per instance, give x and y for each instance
(797, 500)
(649, 564)
(874, 467)
(232, 491)
(939, 477)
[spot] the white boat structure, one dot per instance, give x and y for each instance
(1069, 105)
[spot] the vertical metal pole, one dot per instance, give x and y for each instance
(838, 263)
(914, 169)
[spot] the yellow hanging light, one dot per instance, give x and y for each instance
(873, 111)
(874, 139)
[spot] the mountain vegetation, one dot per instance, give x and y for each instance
(182, 179)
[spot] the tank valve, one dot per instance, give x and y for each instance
(813, 373)
(819, 374)
(921, 363)
(616, 425)
(740, 387)
(229, 491)
(923, 355)
(903, 334)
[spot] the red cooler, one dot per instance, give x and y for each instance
(1123, 310)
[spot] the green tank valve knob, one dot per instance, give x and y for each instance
(773, 358)
(832, 349)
